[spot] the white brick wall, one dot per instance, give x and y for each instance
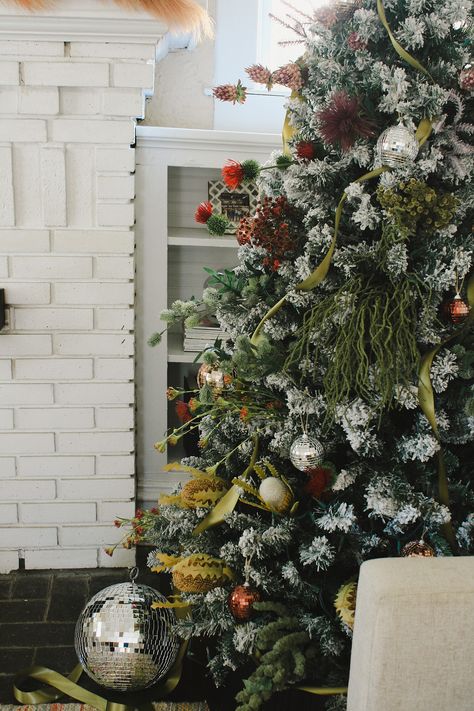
(67, 116)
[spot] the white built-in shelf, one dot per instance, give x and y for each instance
(196, 237)
(175, 350)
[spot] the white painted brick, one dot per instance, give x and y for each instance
(56, 466)
(114, 267)
(22, 48)
(60, 558)
(3, 263)
(80, 184)
(94, 293)
(93, 344)
(25, 345)
(24, 241)
(38, 100)
(26, 168)
(123, 102)
(122, 558)
(95, 442)
(18, 443)
(53, 369)
(114, 418)
(89, 535)
(115, 466)
(29, 489)
(44, 319)
(16, 537)
(7, 204)
(57, 418)
(8, 514)
(9, 73)
(114, 369)
(95, 489)
(114, 319)
(20, 294)
(90, 131)
(58, 513)
(9, 100)
(23, 394)
(139, 74)
(52, 267)
(22, 130)
(110, 510)
(106, 50)
(93, 393)
(65, 73)
(9, 560)
(53, 184)
(80, 102)
(7, 467)
(115, 215)
(93, 241)
(5, 370)
(6, 419)
(116, 187)
(115, 159)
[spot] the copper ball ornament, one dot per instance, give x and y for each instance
(241, 600)
(306, 452)
(418, 549)
(457, 309)
(397, 146)
(466, 78)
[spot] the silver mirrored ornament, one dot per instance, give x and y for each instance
(397, 146)
(122, 642)
(306, 452)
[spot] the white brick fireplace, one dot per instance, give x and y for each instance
(72, 82)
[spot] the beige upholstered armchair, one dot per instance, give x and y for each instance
(413, 647)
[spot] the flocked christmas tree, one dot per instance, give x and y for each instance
(336, 424)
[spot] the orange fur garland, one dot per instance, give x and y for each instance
(179, 15)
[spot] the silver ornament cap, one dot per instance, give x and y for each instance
(306, 452)
(121, 642)
(397, 146)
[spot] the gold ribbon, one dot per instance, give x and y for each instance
(288, 130)
(228, 502)
(324, 690)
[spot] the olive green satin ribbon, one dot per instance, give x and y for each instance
(228, 502)
(324, 690)
(427, 405)
(288, 130)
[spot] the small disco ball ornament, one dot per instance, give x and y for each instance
(418, 549)
(212, 376)
(397, 146)
(457, 309)
(466, 77)
(241, 600)
(121, 642)
(276, 494)
(306, 452)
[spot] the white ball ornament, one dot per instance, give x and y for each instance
(276, 495)
(397, 146)
(306, 452)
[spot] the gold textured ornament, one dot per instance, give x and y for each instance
(241, 600)
(418, 549)
(200, 573)
(457, 309)
(397, 146)
(345, 603)
(275, 494)
(203, 493)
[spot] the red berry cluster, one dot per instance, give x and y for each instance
(272, 227)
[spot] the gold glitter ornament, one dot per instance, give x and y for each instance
(276, 494)
(418, 549)
(345, 603)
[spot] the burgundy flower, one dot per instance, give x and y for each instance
(319, 479)
(342, 122)
(305, 150)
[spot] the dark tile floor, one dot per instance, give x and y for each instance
(38, 612)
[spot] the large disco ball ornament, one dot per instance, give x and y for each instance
(306, 452)
(397, 146)
(123, 643)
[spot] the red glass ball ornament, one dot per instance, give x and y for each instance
(241, 600)
(457, 309)
(418, 549)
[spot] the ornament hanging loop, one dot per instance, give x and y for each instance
(133, 574)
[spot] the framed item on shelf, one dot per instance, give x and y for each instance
(234, 204)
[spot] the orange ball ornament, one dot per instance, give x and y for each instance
(241, 600)
(457, 309)
(418, 549)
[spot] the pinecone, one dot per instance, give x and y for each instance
(231, 92)
(289, 75)
(260, 74)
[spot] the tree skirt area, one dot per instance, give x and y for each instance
(162, 706)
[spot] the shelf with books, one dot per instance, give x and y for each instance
(196, 237)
